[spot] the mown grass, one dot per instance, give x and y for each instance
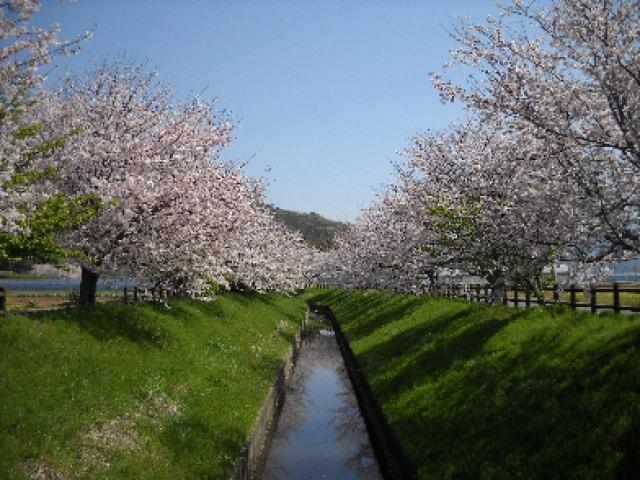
(477, 391)
(139, 391)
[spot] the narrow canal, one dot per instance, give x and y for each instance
(320, 433)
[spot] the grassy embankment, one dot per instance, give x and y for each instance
(138, 391)
(475, 391)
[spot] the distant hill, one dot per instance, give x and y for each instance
(317, 231)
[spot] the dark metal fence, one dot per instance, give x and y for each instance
(594, 298)
(606, 297)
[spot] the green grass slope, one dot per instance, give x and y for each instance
(138, 391)
(475, 391)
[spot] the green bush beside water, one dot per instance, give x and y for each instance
(478, 391)
(139, 391)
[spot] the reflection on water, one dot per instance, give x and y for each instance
(320, 434)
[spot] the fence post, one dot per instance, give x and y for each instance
(478, 293)
(126, 295)
(572, 294)
(505, 295)
(616, 297)
(135, 294)
(527, 298)
(3, 301)
(556, 293)
(515, 296)
(593, 299)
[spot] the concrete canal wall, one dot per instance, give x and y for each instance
(392, 462)
(251, 459)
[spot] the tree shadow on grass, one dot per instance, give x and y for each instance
(269, 301)
(360, 317)
(560, 414)
(185, 309)
(244, 298)
(415, 363)
(538, 411)
(107, 323)
(329, 297)
(361, 321)
(539, 404)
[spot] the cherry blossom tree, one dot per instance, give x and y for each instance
(469, 200)
(382, 250)
(267, 255)
(569, 76)
(29, 215)
(134, 151)
(466, 201)
(178, 216)
(545, 168)
(490, 207)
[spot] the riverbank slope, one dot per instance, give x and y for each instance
(138, 391)
(476, 391)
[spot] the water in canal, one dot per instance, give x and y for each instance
(320, 433)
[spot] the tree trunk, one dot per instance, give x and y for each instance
(88, 287)
(498, 287)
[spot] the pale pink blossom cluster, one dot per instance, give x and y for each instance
(546, 167)
(571, 78)
(382, 250)
(177, 215)
(173, 213)
(23, 50)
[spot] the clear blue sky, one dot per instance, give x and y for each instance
(323, 92)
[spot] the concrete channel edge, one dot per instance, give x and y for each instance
(252, 457)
